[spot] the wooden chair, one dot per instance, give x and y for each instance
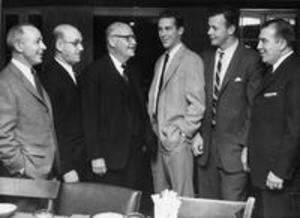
(21, 188)
(207, 208)
(93, 198)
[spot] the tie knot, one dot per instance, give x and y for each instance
(221, 53)
(124, 65)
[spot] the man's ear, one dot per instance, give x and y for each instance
(111, 41)
(231, 30)
(18, 46)
(181, 30)
(59, 45)
(282, 44)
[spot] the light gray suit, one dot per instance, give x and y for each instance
(180, 108)
(27, 137)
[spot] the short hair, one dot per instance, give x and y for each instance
(231, 15)
(15, 34)
(283, 29)
(179, 22)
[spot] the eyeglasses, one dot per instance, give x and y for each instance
(127, 37)
(75, 43)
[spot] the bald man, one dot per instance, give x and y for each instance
(60, 81)
(115, 120)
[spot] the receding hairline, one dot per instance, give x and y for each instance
(16, 33)
(114, 26)
(61, 30)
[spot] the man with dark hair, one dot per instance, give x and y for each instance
(116, 125)
(61, 83)
(176, 107)
(232, 73)
(274, 139)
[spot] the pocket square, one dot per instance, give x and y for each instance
(238, 79)
(270, 94)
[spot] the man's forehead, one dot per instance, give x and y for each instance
(31, 31)
(122, 29)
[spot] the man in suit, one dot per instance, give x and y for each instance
(176, 107)
(27, 136)
(274, 143)
(114, 112)
(232, 73)
(61, 84)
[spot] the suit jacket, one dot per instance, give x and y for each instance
(274, 139)
(66, 102)
(233, 107)
(114, 112)
(27, 136)
(181, 98)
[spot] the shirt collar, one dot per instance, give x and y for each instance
(230, 50)
(174, 50)
(117, 63)
(22, 67)
(281, 59)
(65, 65)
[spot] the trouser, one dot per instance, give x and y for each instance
(277, 204)
(174, 170)
(216, 183)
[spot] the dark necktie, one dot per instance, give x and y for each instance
(216, 88)
(161, 80)
(124, 75)
(38, 84)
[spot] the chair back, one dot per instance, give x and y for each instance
(93, 198)
(208, 208)
(29, 188)
(24, 192)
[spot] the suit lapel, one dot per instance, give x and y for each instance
(210, 75)
(27, 84)
(231, 70)
(270, 77)
(64, 74)
(117, 77)
(173, 66)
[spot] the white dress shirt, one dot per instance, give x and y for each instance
(226, 59)
(171, 53)
(118, 65)
(68, 68)
(26, 71)
(281, 59)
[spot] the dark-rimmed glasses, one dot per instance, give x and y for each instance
(127, 37)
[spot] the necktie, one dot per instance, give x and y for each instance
(124, 75)
(161, 80)
(216, 88)
(38, 84)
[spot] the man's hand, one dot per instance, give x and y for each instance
(71, 176)
(197, 145)
(274, 182)
(99, 166)
(244, 159)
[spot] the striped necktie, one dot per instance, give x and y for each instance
(216, 88)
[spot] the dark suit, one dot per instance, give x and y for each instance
(65, 98)
(115, 121)
(274, 143)
(224, 142)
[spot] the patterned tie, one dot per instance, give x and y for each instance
(217, 88)
(37, 83)
(161, 80)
